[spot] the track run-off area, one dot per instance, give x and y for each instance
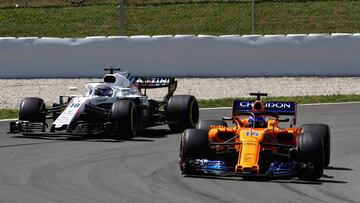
(145, 169)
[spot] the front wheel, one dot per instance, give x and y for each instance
(194, 145)
(324, 131)
(311, 155)
(32, 109)
(124, 118)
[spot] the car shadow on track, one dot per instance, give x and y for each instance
(283, 180)
(338, 168)
(143, 136)
(214, 177)
(317, 182)
(25, 144)
(62, 138)
(154, 133)
(87, 139)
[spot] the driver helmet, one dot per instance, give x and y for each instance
(103, 91)
(260, 122)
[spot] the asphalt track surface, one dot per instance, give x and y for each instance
(145, 169)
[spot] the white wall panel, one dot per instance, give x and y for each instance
(182, 56)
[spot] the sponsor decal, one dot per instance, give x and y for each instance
(153, 80)
(250, 143)
(249, 157)
(75, 105)
(281, 107)
(248, 133)
(245, 104)
(278, 105)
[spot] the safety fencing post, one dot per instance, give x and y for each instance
(121, 17)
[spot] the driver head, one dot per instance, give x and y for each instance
(257, 122)
(103, 91)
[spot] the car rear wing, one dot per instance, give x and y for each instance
(278, 107)
(156, 82)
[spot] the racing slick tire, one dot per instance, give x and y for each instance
(205, 124)
(324, 131)
(311, 154)
(194, 145)
(182, 112)
(124, 118)
(32, 109)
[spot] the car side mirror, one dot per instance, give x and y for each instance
(284, 120)
(227, 118)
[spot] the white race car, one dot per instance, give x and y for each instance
(114, 107)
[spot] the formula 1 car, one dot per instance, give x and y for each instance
(117, 106)
(256, 146)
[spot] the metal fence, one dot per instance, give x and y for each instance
(79, 18)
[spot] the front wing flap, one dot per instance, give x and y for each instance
(219, 168)
(39, 129)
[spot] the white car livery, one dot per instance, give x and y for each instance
(116, 106)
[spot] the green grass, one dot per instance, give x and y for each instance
(216, 18)
(8, 113)
(227, 102)
(308, 17)
(59, 21)
(53, 3)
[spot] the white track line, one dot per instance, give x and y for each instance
(319, 104)
(11, 119)
(225, 108)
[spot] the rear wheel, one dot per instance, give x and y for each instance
(194, 145)
(324, 131)
(205, 124)
(32, 109)
(311, 154)
(182, 112)
(124, 118)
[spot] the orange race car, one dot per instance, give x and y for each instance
(256, 145)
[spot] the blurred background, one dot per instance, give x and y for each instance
(80, 18)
